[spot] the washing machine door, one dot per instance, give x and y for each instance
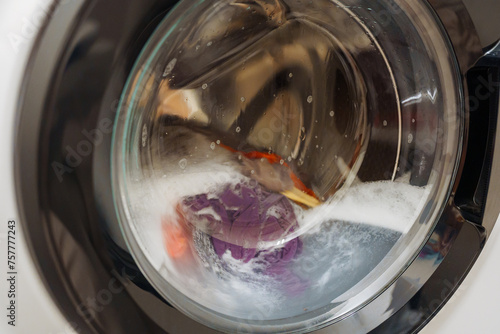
(248, 166)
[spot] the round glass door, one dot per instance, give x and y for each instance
(277, 164)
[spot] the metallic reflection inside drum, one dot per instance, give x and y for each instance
(267, 166)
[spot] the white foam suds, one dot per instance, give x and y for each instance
(385, 204)
(335, 235)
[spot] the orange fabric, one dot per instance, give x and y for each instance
(174, 238)
(301, 186)
(274, 159)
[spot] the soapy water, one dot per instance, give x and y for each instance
(343, 240)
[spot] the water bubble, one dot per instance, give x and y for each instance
(309, 99)
(332, 113)
(385, 123)
(290, 75)
(282, 162)
(242, 99)
(209, 43)
(413, 120)
(238, 129)
(204, 86)
(212, 146)
(289, 159)
(218, 142)
(410, 138)
(183, 163)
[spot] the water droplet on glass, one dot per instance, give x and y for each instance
(410, 138)
(144, 135)
(309, 99)
(169, 68)
(183, 163)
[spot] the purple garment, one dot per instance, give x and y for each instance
(244, 215)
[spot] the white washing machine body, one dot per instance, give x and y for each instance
(471, 309)
(35, 311)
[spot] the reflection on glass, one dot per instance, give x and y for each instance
(265, 167)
